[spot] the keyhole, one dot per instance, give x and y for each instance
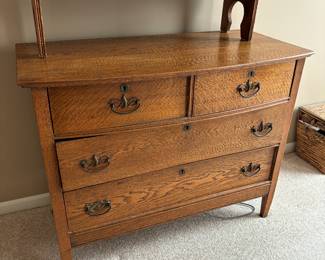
(251, 74)
(187, 127)
(181, 172)
(124, 88)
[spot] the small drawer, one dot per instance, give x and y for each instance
(94, 109)
(225, 91)
(118, 155)
(157, 191)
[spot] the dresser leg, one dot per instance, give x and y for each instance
(267, 200)
(266, 205)
(66, 255)
(43, 118)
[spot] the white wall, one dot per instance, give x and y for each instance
(302, 23)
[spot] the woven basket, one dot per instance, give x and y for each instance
(311, 135)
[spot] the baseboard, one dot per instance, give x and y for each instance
(290, 147)
(42, 200)
(31, 202)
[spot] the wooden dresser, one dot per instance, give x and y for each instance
(143, 130)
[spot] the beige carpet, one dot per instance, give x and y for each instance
(295, 229)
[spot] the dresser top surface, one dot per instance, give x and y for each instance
(84, 62)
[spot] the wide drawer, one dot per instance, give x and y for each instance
(132, 197)
(119, 155)
(231, 90)
(93, 109)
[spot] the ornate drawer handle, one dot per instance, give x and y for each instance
(124, 105)
(251, 170)
(262, 129)
(249, 89)
(98, 208)
(95, 164)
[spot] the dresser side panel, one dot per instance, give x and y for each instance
(44, 123)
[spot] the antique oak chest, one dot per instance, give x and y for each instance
(143, 130)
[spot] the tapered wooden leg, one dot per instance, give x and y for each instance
(247, 25)
(267, 200)
(44, 123)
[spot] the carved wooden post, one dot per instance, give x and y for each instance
(247, 25)
(38, 20)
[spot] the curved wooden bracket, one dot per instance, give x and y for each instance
(247, 25)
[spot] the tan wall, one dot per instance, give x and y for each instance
(21, 171)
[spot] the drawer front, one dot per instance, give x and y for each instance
(119, 155)
(224, 91)
(140, 195)
(93, 109)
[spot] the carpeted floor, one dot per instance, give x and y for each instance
(295, 229)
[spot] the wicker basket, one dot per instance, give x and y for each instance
(311, 135)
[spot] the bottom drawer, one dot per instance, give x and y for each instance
(217, 200)
(128, 198)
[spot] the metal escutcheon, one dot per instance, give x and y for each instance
(187, 127)
(249, 88)
(181, 172)
(251, 169)
(262, 129)
(95, 163)
(124, 105)
(98, 208)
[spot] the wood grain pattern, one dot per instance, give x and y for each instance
(82, 62)
(311, 143)
(214, 201)
(141, 151)
(217, 92)
(43, 118)
(190, 120)
(168, 122)
(86, 109)
(287, 114)
(161, 190)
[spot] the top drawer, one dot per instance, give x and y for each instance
(93, 109)
(230, 90)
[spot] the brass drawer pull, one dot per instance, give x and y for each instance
(124, 105)
(262, 129)
(251, 170)
(95, 164)
(98, 208)
(250, 88)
